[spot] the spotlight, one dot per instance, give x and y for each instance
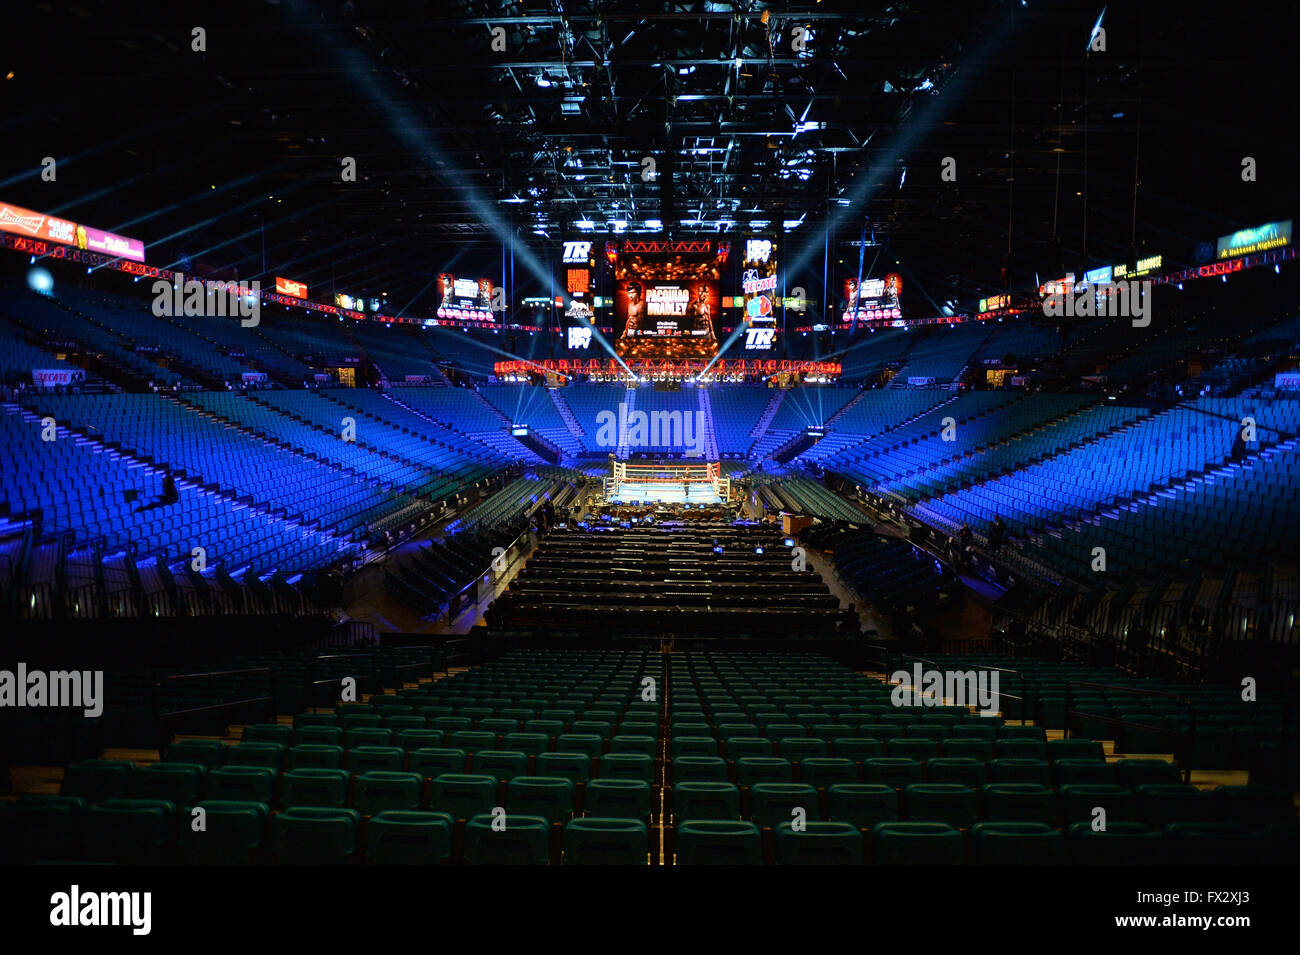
(759, 550)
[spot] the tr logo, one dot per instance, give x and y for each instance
(759, 337)
(577, 251)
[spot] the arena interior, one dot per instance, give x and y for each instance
(660, 434)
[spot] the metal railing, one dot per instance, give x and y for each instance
(1185, 740)
(163, 719)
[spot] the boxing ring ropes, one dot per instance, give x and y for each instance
(666, 481)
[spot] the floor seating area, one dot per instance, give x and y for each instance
(706, 577)
(630, 757)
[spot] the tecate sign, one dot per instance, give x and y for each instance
(290, 287)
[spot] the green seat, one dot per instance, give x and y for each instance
(893, 771)
(451, 724)
(699, 769)
(740, 746)
(633, 727)
(268, 755)
(1255, 806)
(799, 748)
(862, 804)
(706, 800)
(358, 714)
(42, 827)
(957, 769)
(575, 767)
(1078, 800)
(314, 787)
(1020, 749)
(208, 753)
(917, 749)
(614, 798)
(732, 730)
(825, 771)
(1132, 773)
(916, 843)
(550, 797)
(974, 730)
(369, 759)
(953, 803)
(433, 761)
(367, 736)
(380, 791)
(593, 840)
(774, 803)
(233, 831)
(640, 745)
(267, 733)
(857, 749)
(180, 783)
(525, 840)
(301, 720)
(964, 747)
(718, 842)
(97, 780)
(762, 769)
(1017, 843)
(471, 741)
(240, 784)
(818, 843)
(534, 744)
(1023, 732)
(589, 727)
(1160, 804)
(314, 836)
(314, 756)
(318, 735)
(1017, 770)
(589, 744)
(549, 728)
(636, 766)
(501, 763)
(1075, 749)
(1213, 844)
(1066, 772)
(692, 746)
(1019, 802)
(462, 795)
(398, 837)
(1122, 843)
(413, 739)
(129, 831)
(400, 724)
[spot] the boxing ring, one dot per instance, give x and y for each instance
(667, 483)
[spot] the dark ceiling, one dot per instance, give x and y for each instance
(232, 156)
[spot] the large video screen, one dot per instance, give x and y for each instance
(758, 298)
(876, 300)
(667, 298)
(462, 299)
